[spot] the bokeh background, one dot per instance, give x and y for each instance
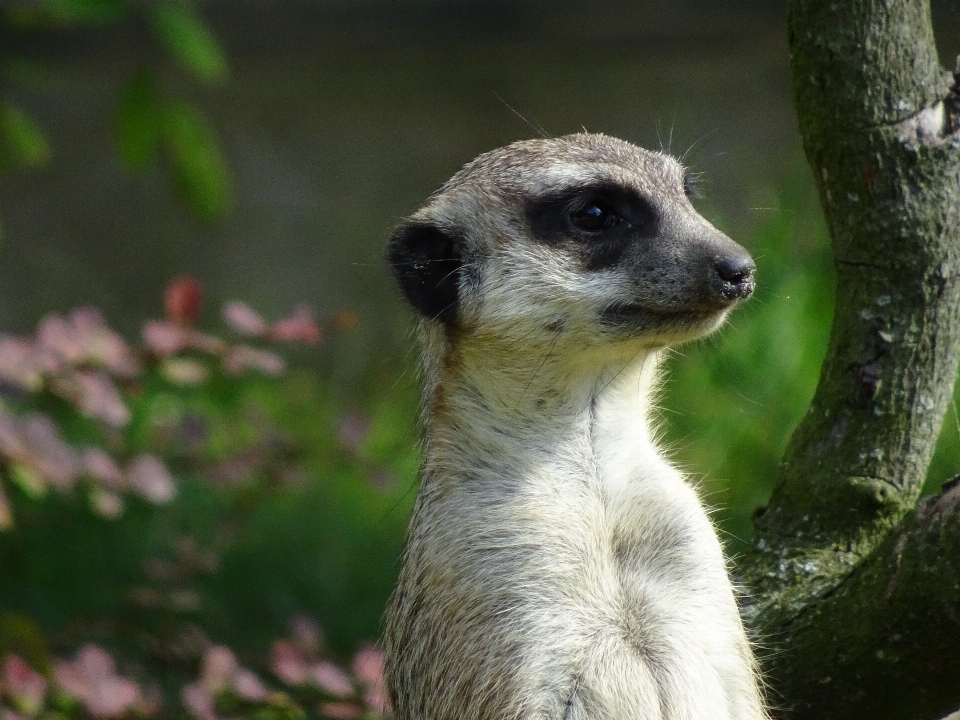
(336, 118)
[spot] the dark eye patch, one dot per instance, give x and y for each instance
(599, 221)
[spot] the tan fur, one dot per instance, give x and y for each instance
(557, 565)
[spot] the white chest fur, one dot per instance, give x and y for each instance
(558, 566)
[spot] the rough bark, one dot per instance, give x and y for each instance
(842, 562)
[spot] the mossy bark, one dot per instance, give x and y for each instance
(879, 120)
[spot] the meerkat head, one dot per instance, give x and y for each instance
(583, 238)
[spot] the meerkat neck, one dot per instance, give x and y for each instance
(482, 404)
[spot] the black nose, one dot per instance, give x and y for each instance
(733, 277)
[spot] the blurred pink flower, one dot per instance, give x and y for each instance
(164, 338)
(199, 701)
(332, 680)
(249, 687)
(20, 364)
(59, 337)
(98, 465)
(368, 666)
(218, 668)
(220, 672)
(340, 710)
(149, 477)
(288, 663)
(26, 688)
(37, 453)
(244, 319)
(83, 338)
(299, 327)
(92, 678)
(95, 395)
(306, 635)
(183, 300)
(101, 346)
(241, 358)
(44, 451)
(11, 436)
(352, 430)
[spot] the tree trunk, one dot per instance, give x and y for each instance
(856, 590)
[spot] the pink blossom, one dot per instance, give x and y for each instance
(299, 327)
(164, 338)
(98, 465)
(199, 701)
(149, 477)
(244, 319)
(183, 300)
(249, 687)
(11, 436)
(288, 664)
(58, 336)
(47, 453)
(19, 364)
(331, 679)
(241, 358)
(352, 430)
(25, 687)
(340, 710)
(96, 396)
(101, 345)
(306, 635)
(368, 666)
(91, 678)
(218, 668)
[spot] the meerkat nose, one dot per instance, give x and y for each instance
(733, 277)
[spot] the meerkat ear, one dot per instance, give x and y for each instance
(426, 260)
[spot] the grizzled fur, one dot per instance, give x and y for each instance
(557, 565)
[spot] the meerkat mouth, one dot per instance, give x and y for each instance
(640, 317)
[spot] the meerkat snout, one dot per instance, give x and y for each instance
(733, 277)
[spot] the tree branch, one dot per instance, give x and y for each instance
(877, 117)
(883, 644)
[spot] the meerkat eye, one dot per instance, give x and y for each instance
(595, 216)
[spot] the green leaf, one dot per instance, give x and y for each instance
(189, 40)
(88, 10)
(197, 163)
(29, 480)
(139, 122)
(21, 635)
(21, 140)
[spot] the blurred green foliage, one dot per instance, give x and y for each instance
(153, 121)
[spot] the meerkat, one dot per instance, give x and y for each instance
(557, 565)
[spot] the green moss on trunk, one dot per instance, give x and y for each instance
(874, 108)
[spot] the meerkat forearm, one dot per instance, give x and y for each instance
(557, 565)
